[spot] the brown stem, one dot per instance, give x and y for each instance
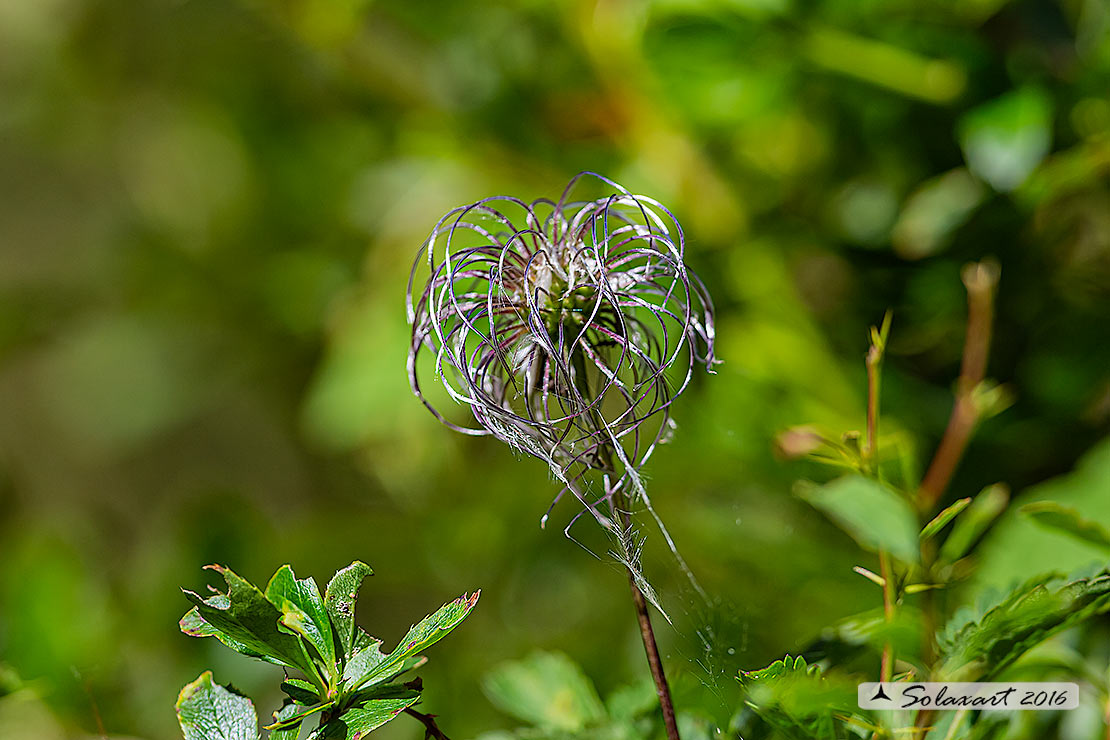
(655, 663)
(980, 278)
(431, 730)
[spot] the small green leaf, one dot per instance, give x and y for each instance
(427, 632)
(300, 691)
(547, 690)
(207, 711)
(244, 620)
(798, 700)
(940, 521)
(979, 643)
(875, 516)
(363, 664)
(288, 711)
(194, 625)
(294, 719)
(982, 511)
(303, 611)
(340, 597)
(1069, 521)
(361, 720)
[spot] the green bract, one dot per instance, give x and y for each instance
(348, 683)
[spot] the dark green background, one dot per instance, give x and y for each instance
(208, 210)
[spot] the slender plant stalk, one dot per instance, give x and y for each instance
(870, 451)
(655, 662)
(980, 278)
(886, 668)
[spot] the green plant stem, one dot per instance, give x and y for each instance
(870, 450)
(871, 441)
(886, 668)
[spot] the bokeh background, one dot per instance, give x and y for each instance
(208, 210)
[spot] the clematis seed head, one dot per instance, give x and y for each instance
(567, 328)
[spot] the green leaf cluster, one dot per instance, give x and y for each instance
(980, 642)
(346, 681)
(799, 700)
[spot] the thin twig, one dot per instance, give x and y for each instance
(886, 668)
(870, 452)
(981, 279)
(431, 730)
(655, 663)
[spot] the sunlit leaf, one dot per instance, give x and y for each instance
(207, 711)
(360, 720)
(340, 598)
(425, 633)
(247, 620)
(302, 610)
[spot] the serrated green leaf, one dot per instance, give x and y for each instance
(300, 691)
(425, 633)
(982, 511)
(940, 521)
(207, 711)
(193, 624)
(361, 720)
(340, 597)
(875, 516)
(798, 700)
(303, 611)
(547, 690)
(1069, 521)
(246, 621)
(977, 644)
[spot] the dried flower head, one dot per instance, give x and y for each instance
(568, 328)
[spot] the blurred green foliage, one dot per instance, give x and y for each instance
(208, 210)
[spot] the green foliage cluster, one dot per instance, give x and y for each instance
(347, 683)
(922, 555)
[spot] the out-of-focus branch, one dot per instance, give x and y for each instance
(980, 279)
(874, 360)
